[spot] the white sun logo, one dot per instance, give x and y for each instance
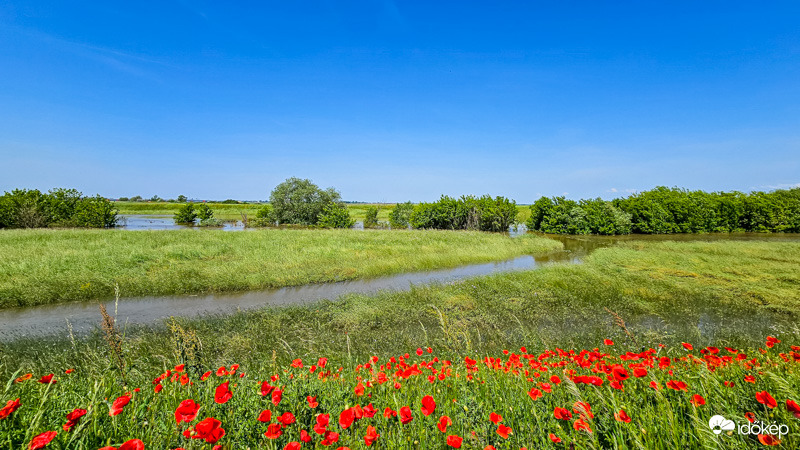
(718, 424)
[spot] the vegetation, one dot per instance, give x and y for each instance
(185, 214)
(371, 217)
(400, 217)
(335, 215)
(297, 201)
(47, 266)
(204, 212)
(599, 338)
(466, 213)
(23, 208)
(664, 210)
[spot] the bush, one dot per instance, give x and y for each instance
(210, 222)
(467, 213)
(185, 214)
(95, 212)
(400, 216)
(136, 198)
(204, 212)
(22, 208)
(181, 199)
(335, 215)
(297, 201)
(371, 217)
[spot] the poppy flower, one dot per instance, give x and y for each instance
(158, 388)
(768, 440)
(24, 378)
(583, 409)
(771, 341)
(444, 422)
(622, 416)
(405, 415)
(503, 431)
(555, 379)
(222, 371)
(655, 385)
(73, 418)
(223, 393)
(535, 393)
(765, 399)
(322, 362)
(119, 404)
(11, 406)
(619, 373)
(41, 440)
(312, 402)
(266, 388)
(287, 419)
(496, 418)
(346, 418)
(687, 346)
(330, 438)
(698, 400)
(277, 396)
(750, 379)
(369, 411)
(186, 411)
(371, 436)
(265, 416)
(562, 413)
(793, 408)
(428, 405)
(639, 372)
(294, 445)
(47, 379)
(489, 447)
(750, 417)
(359, 390)
(454, 441)
(69, 371)
(608, 342)
(554, 438)
(579, 425)
(304, 436)
(274, 431)
(419, 352)
(209, 429)
(677, 385)
(133, 444)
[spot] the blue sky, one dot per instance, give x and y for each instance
(394, 101)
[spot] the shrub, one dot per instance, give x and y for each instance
(181, 199)
(335, 215)
(136, 198)
(371, 217)
(185, 214)
(210, 222)
(204, 212)
(95, 212)
(123, 199)
(301, 201)
(400, 216)
(467, 213)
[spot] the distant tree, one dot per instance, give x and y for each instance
(204, 212)
(335, 215)
(299, 201)
(400, 216)
(123, 199)
(136, 198)
(181, 198)
(156, 198)
(185, 214)
(371, 217)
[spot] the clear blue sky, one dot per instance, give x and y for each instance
(394, 101)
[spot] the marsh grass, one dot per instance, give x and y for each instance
(50, 266)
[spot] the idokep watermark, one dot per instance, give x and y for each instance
(719, 424)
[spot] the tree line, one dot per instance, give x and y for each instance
(31, 208)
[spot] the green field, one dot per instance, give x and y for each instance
(640, 295)
(50, 266)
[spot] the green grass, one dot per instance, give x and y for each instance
(50, 266)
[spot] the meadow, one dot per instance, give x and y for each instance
(600, 338)
(43, 266)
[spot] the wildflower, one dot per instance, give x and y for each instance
(750, 417)
(562, 413)
(454, 441)
(41, 440)
(222, 371)
(698, 400)
(369, 411)
(419, 352)
(73, 418)
(793, 408)
(555, 379)
(209, 429)
(768, 439)
(304, 436)
(346, 418)
(496, 418)
(371, 436)
(186, 411)
(266, 388)
(330, 438)
(677, 385)
(771, 341)
(277, 396)
(389, 412)
(503, 431)
(24, 378)
(132, 444)
(765, 399)
(322, 423)
(687, 346)
(312, 402)
(535, 393)
(205, 375)
(750, 379)
(47, 379)
(118, 404)
(405, 415)
(608, 342)
(273, 431)
(639, 372)
(554, 438)
(294, 445)
(223, 393)
(428, 405)
(579, 425)
(11, 406)
(359, 390)
(444, 422)
(287, 419)
(622, 416)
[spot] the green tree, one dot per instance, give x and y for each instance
(299, 201)
(400, 216)
(335, 215)
(185, 214)
(204, 212)
(371, 217)
(181, 199)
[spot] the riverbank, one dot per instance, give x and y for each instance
(52, 266)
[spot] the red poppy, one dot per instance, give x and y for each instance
(677, 385)
(489, 447)
(287, 419)
(555, 379)
(304, 436)
(41, 440)
(444, 422)
(209, 429)
(405, 415)
(562, 413)
(583, 409)
(750, 417)
(579, 425)
(687, 346)
(359, 390)
(554, 438)
(119, 404)
(371, 436)
(619, 373)
(503, 431)
(428, 405)
(750, 379)
(535, 393)
(265, 416)
(768, 439)
(69, 371)
(312, 401)
(222, 371)
(419, 352)
(266, 388)
(47, 379)
(158, 388)
(277, 396)
(622, 416)
(793, 408)
(369, 411)
(454, 441)
(639, 372)
(330, 438)
(133, 444)
(273, 431)
(186, 411)
(389, 412)
(294, 445)
(771, 341)
(496, 418)
(765, 399)
(322, 362)
(73, 418)
(223, 393)
(698, 400)
(608, 342)
(11, 406)
(346, 418)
